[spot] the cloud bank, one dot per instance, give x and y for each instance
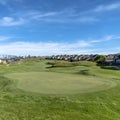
(45, 48)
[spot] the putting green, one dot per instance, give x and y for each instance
(59, 83)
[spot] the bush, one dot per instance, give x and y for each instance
(100, 59)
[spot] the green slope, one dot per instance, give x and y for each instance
(17, 104)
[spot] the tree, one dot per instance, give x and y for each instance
(100, 59)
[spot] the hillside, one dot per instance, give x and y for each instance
(20, 101)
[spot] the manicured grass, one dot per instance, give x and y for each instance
(28, 104)
(59, 83)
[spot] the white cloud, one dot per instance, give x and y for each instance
(6, 2)
(68, 15)
(3, 2)
(71, 15)
(105, 39)
(4, 38)
(49, 48)
(87, 19)
(69, 20)
(57, 17)
(109, 7)
(64, 16)
(26, 48)
(10, 21)
(38, 15)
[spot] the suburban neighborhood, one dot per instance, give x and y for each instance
(111, 59)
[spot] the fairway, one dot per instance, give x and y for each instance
(33, 90)
(59, 83)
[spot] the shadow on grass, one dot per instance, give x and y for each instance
(86, 65)
(85, 72)
(49, 67)
(108, 67)
(58, 67)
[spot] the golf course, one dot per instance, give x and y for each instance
(36, 90)
(58, 83)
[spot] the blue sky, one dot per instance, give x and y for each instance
(47, 27)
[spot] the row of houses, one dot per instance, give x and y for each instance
(3, 61)
(113, 59)
(110, 59)
(73, 57)
(8, 61)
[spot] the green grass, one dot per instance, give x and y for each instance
(22, 98)
(59, 83)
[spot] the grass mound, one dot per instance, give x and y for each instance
(69, 64)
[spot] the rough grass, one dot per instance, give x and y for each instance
(16, 104)
(57, 63)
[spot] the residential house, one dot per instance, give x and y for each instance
(3, 61)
